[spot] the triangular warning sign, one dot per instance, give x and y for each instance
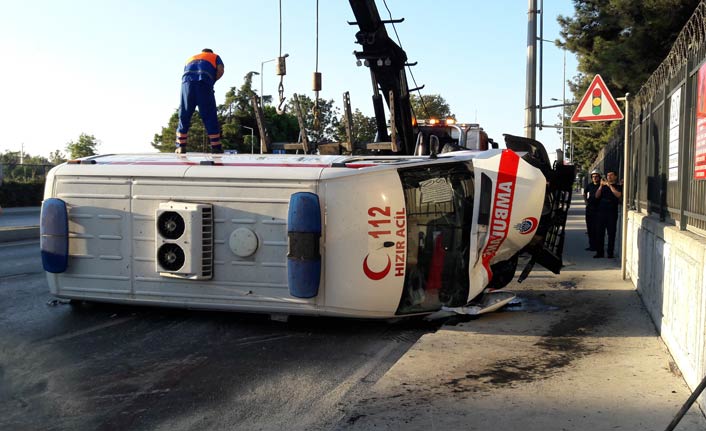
(597, 104)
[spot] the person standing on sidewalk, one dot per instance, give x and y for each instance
(200, 73)
(609, 195)
(589, 197)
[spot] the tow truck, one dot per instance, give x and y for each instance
(431, 216)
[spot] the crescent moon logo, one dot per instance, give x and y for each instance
(376, 275)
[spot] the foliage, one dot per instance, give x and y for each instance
(84, 146)
(22, 184)
(430, 106)
(236, 116)
(239, 101)
(13, 158)
(33, 169)
(21, 194)
(624, 41)
(327, 118)
(363, 128)
(282, 128)
(56, 157)
(166, 139)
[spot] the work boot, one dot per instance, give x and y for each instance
(217, 149)
(181, 149)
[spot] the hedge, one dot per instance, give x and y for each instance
(16, 194)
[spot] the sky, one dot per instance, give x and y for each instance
(112, 69)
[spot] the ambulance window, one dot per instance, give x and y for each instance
(439, 205)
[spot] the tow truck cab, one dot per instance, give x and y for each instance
(450, 135)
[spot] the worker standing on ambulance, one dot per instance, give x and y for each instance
(200, 73)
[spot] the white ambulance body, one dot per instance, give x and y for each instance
(369, 237)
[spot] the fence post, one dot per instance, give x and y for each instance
(686, 129)
(626, 184)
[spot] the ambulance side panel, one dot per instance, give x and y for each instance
(257, 282)
(112, 230)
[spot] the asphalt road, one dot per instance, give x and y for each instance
(108, 367)
(27, 216)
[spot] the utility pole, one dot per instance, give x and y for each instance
(531, 91)
(563, 109)
(22, 153)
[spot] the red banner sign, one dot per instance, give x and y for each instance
(700, 141)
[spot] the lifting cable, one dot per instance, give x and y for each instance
(317, 77)
(421, 99)
(281, 66)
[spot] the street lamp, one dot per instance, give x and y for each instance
(252, 137)
(262, 65)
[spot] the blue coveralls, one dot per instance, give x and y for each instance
(197, 91)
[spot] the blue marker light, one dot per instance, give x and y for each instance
(304, 257)
(54, 235)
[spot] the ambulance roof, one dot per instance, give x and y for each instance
(293, 166)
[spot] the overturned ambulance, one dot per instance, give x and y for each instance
(369, 237)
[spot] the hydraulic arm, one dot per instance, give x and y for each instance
(387, 62)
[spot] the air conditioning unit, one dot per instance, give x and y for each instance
(184, 240)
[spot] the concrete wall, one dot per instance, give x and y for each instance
(668, 267)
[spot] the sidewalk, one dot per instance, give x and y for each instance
(18, 224)
(579, 353)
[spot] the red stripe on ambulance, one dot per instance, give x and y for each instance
(502, 207)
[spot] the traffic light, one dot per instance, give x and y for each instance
(597, 100)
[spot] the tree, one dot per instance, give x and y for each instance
(32, 169)
(56, 157)
(239, 102)
(235, 112)
(197, 141)
(281, 127)
(430, 106)
(326, 132)
(363, 128)
(84, 146)
(624, 41)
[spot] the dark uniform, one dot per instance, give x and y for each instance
(607, 219)
(589, 195)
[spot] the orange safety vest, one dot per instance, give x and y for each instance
(208, 56)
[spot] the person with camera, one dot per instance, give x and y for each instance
(609, 196)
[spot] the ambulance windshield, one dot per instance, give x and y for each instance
(439, 205)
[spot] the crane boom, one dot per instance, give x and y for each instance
(386, 61)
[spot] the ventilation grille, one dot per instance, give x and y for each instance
(207, 242)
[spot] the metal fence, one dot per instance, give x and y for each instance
(664, 135)
(610, 158)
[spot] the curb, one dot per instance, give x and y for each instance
(19, 233)
(21, 210)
